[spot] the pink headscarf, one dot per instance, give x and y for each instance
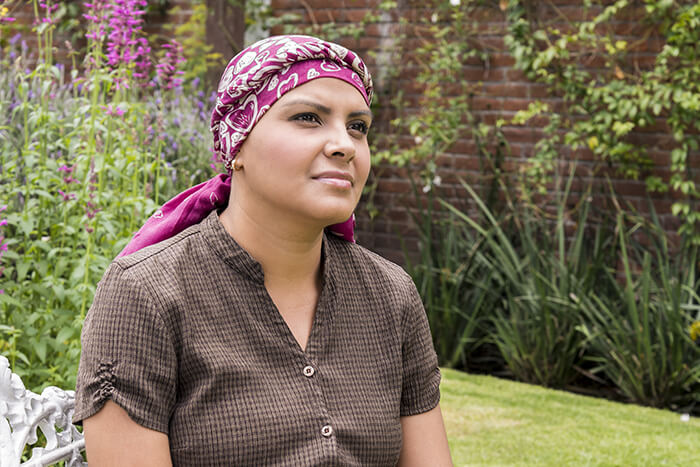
(253, 80)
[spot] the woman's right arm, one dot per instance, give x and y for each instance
(125, 390)
(112, 438)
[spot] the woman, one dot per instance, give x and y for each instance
(233, 330)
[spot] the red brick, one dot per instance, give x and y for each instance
(394, 186)
(467, 162)
(355, 15)
(502, 59)
(521, 135)
(515, 104)
(538, 91)
(485, 103)
(506, 90)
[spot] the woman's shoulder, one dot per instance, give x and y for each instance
(354, 260)
(160, 267)
(169, 250)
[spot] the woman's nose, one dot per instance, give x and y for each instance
(340, 144)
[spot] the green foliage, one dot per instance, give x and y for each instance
(605, 106)
(640, 334)
(537, 281)
(443, 114)
(456, 290)
(192, 34)
(83, 164)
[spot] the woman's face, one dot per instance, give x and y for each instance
(307, 158)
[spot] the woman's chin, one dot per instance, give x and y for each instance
(334, 216)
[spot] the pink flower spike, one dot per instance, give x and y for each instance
(66, 196)
(3, 222)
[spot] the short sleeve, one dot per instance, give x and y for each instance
(420, 390)
(128, 354)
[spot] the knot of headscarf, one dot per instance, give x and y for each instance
(252, 81)
(258, 76)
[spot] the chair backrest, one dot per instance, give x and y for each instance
(22, 412)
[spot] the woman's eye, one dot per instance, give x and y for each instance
(362, 127)
(307, 117)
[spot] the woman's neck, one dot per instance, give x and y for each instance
(288, 254)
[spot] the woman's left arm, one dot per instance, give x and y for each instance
(424, 440)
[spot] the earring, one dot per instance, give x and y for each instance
(236, 166)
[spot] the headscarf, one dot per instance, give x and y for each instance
(253, 80)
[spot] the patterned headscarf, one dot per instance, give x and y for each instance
(253, 80)
(258, 76)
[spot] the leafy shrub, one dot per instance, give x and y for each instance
(86, 156)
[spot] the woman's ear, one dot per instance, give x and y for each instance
(239, 160)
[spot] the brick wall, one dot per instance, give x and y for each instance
(500, 91)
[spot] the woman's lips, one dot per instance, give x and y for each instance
(338, 179)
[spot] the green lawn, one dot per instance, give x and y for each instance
(491, 421)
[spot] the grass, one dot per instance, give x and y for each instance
(492, 421)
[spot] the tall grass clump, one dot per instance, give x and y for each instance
(86, 154)
(605, 301)
(537, 273)
(456, 289)
(641, 335)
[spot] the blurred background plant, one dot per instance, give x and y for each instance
(520, 278)
(86, 155)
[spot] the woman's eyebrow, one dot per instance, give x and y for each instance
(327, 110)
(361, 113)
(315, 105)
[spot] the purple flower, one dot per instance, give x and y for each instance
(116, 110)
(90, 209)
(142, 61)
(167, 69)
(124, 23)
(49, 10)
(66, 169)
(66, 196)
(98, 15)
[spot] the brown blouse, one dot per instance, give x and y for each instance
(185, 338)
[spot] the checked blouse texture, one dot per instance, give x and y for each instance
(185, 338)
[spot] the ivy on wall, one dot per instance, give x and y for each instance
(604, 106)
